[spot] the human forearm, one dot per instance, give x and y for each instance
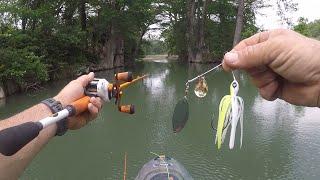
(13, 166)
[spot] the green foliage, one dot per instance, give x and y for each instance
(18, 60)
(154, 47)
(175, 39)
(219, 25)
(46, 37)
(310, 29)
(34, 43)
(21, 66)
(302, 27)
(40, 39)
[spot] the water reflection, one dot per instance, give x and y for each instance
(280, 141)
(307, 144)
(282, 130)
(161, 61)
(155, 82)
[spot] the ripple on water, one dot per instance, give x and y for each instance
(280, 141)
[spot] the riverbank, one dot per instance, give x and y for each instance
(160, 57)
(166, 58)
(10, 87)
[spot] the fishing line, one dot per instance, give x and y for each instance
(125, 167)
(203, 74)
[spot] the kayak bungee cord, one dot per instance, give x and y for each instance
(15, 138)
(163, 162)
(163, 167)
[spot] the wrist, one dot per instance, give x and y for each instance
(55, 106)
(61, 100)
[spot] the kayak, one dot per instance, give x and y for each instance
(163, 168)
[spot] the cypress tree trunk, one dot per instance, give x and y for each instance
(112, 53)
(203, 54)
(239, 24)
(70, 8)
(83, 21)
(119, 52)
(238, 30)
(83, 15)
(190, 35)
(108, 49)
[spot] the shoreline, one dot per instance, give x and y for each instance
(160, 57)
(164, 57)
(10, 88)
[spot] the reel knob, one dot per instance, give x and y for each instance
(124, 76)
(127, 109)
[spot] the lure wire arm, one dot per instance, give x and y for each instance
(203, 74)
(197, 77)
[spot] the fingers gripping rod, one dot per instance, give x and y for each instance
(15, 138)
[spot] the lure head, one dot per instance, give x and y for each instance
(234, 88)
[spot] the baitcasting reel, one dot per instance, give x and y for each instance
(107, 91)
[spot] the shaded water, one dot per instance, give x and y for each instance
(281, 141)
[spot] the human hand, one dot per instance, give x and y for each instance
(74, 91)
(282, 64)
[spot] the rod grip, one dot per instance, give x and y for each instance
(15, 138)
(127, 109)
(124, 76)
(81, 105)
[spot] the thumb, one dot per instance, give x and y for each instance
(248, 57)
(85, 79)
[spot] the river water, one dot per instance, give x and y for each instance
(281, 141)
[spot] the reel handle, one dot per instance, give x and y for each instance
(129, 109)
(124, 76)
(81, 105)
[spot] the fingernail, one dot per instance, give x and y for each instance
(231, 57)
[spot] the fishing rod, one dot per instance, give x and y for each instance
(15, 138)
